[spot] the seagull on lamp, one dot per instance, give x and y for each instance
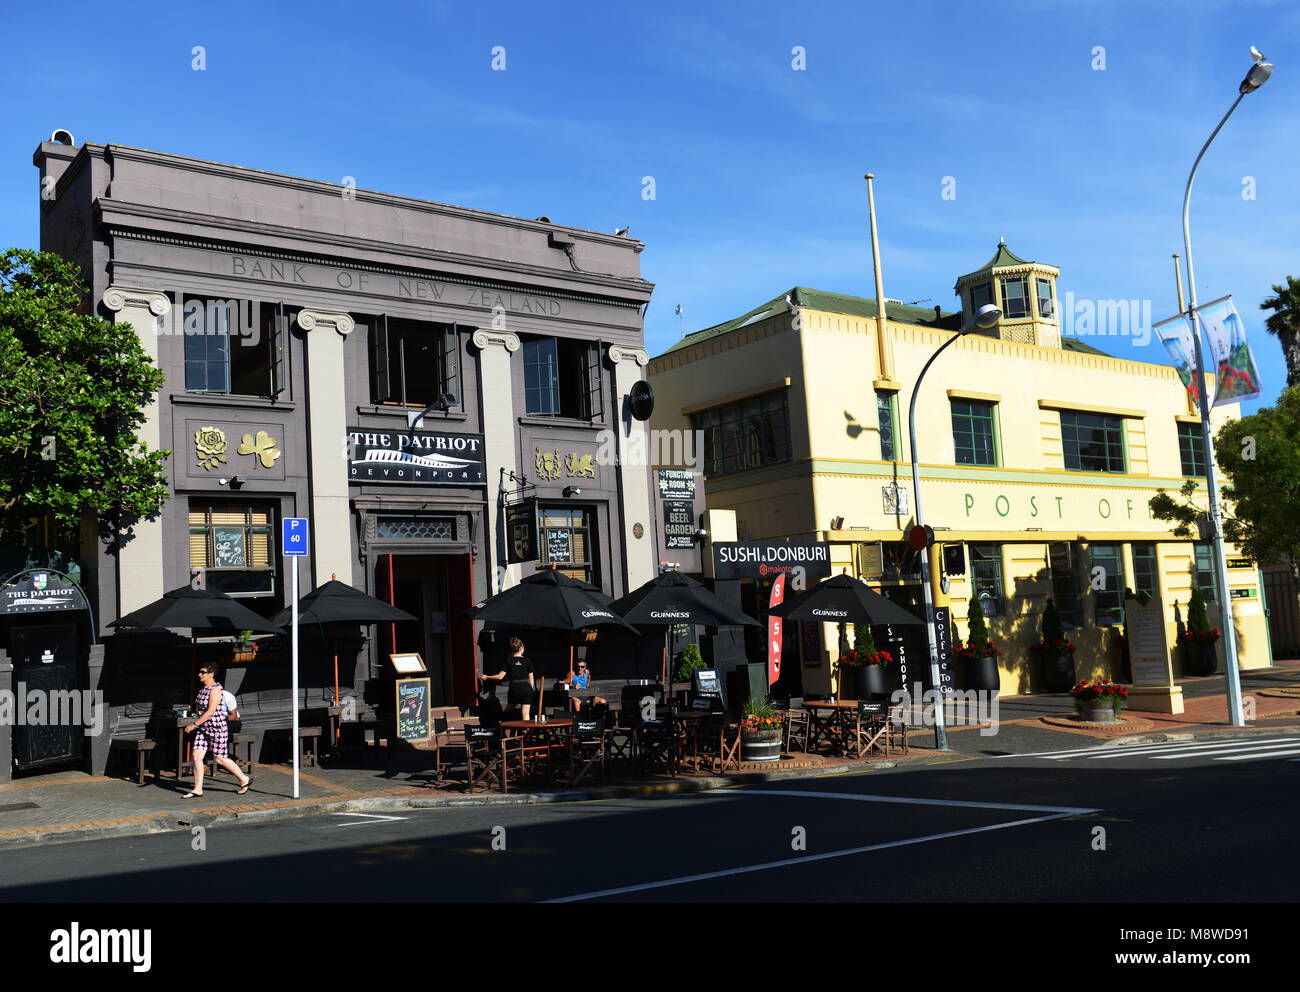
(1255, 54)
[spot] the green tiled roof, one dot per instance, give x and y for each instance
(815, 299)
(1003, 256)
(1074, 344)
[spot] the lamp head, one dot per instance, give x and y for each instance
(1257, 77)
(985, 317)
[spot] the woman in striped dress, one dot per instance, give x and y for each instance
(211, 732)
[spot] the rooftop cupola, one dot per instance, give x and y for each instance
(1025, 292)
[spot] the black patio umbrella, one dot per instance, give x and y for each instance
(843, 599)
(337, 602)
(673, 598)
(197, 609)
(551, 600)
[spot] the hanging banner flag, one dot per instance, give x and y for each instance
(1237, 375)
(1176, 335)
(774, 633)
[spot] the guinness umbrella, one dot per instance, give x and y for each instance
(551, 600)
(337, 602)
(673, 598)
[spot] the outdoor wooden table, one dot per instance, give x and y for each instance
(826, 723)
(545, 729)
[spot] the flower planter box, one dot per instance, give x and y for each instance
(982, 674)
(760, 745)
(1199, 658)
(1058, 671)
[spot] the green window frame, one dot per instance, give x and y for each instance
(1092, 442)
(1015, 297)
(1061, 557)
(1191, 450)
(750, 434)
(1107, 601)
(887, 419)
(1043, 290)
(980, 294)
(1146, 571)
(986, 577)
(974, 434)
(1203, 564)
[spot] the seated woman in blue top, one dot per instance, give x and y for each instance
(580, 679)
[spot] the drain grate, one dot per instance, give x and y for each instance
(11, 807)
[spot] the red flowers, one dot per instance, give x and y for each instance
(859, 659)
(1111, 692)
(1198, 636)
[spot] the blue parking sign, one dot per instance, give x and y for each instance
(293, 537)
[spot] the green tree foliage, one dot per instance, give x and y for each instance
(689, 662)
(978, 637)
(1053, 632)
(863, 642)
(1197, 620)
(1285, 324)
(73, 389)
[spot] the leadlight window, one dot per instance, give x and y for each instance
(1191, 450)
(1205, 577)
(745, 435)
(1146, 576)
(1065, 582)
(980, 294)
(972, 432)
(567, 542)
(1108, 586)
(1046, 306)
(986, 572)
(416, 528)
(887, 421)
(1092, 442)
(1015, 297)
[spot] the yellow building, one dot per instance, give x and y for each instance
(1038, 455)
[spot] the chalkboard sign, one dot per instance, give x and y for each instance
(706, 682)
(413, 709)
(558, 547)
(228, 548)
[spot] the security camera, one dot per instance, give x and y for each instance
(572, 491)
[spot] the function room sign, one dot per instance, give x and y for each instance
(756, 559)
(415, 456)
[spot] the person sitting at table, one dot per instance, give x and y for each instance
(518, 674)
(581, 679)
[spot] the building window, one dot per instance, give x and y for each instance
(566, 542)
(1146, 576)
(980, 294)
(238, 347)
(1092, 442)
(972, 432)
(745, 435)
(1065, 584)
(1205, 577)
(1015, 297)
(1046, 306)
(232, 544)
(986, 572)
(562, 378)
(416, 528)
(887, 421)
(1191, 450)
(1108, 598)
(413, 363)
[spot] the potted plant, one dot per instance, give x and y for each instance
(1099, 702)
(245, 647)
(760, 731)
(862, 670)
(979, 655)
(689, 662)
(1055, 653)
(1198, 639)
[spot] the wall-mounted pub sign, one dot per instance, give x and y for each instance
(675, 483)
(415, 456)
(679, 523)
(521, 530)
(37, 591)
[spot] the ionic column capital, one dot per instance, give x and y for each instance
(484, 337)
(341, 322)
(118, 298)
(619, 354)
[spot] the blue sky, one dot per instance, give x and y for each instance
(757, 166)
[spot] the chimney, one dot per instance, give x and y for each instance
(53, 158)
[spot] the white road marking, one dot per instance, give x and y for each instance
(1139, 750)
(806, 859)
(371, 819)
(1271, 754)
(1018, 807)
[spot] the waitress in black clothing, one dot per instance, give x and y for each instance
(519, 673)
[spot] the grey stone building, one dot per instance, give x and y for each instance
(299, 324)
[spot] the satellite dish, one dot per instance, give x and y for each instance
(641, 400)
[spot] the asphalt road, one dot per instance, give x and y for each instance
(1208, 821)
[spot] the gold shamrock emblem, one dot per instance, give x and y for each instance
(210, 445)
(264, 448)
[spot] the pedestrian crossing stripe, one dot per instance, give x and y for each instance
(1177, 750)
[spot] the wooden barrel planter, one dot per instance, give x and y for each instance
(1058, 672)
(1199, 658)
(760, 745)
(1099, 711)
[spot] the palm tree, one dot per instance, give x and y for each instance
(1285, 324)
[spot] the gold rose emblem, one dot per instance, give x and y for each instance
(210, 444)
(264, 448)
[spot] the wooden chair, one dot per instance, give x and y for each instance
(483, 755)
(587, 748)
(796, 727)
(866, 728)
(718, 741)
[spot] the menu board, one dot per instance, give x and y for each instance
(1148, 643)
(558, 546)
(228, 548)
(413, 709)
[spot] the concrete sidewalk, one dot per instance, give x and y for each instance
(69, 806)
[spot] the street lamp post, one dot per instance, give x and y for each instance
(1256, 78)
(987, 316)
